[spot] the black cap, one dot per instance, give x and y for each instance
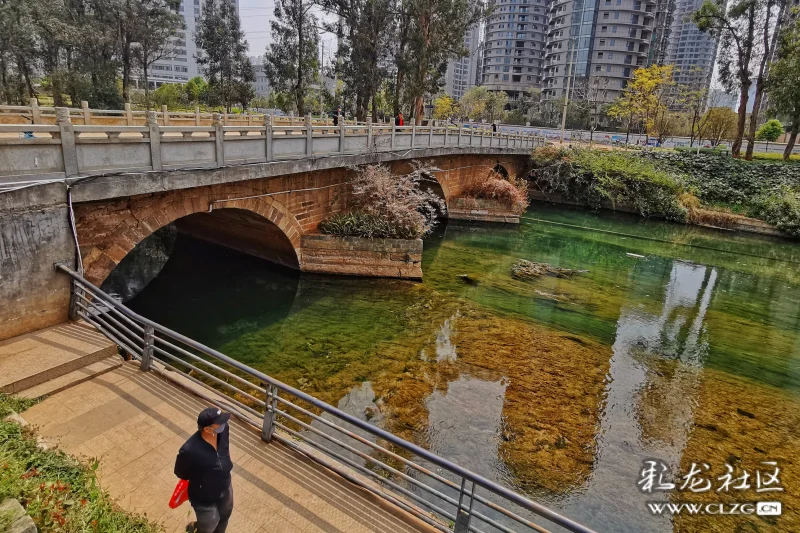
(212, 415)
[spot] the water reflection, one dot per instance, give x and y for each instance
(559, 387)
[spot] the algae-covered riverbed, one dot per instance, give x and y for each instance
(680, 344)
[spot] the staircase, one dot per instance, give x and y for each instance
(52, 359)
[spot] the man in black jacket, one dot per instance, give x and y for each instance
(205, 461)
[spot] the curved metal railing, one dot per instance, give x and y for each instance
(435, 490)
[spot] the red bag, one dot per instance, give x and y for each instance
(180, 495)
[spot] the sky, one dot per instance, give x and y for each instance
(256, 16)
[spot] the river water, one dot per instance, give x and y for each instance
(680, 344)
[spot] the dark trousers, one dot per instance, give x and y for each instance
(213, 518)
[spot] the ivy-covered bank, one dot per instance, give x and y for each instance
(680, 186)
(57, 491)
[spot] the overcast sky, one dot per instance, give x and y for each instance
(256, 15)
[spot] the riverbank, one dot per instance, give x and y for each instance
(701, 189)
(59, 492)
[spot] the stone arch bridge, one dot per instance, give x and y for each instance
(259, 189)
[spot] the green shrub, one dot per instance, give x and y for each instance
(719, 150)
(728, 180)
(57, 491)
(780, 208)
(360, 224)
(600, 178)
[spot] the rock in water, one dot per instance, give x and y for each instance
(527, 270)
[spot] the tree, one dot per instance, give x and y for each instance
(769, 41)
(155, 24)
(770, 131)
(473, 104)
(646, 97)
(736, 29)
(290, 62)
(784, 82)
(435, 34)
(224, 61)
(196, 89)
(365, 30)
(443, 107)
(168, 94)
(721, 124)
(695, 102)
(588, 96)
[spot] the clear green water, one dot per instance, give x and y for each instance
(557, 387)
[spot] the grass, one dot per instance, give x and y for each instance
(60, 493)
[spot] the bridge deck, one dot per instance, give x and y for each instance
(135, 422)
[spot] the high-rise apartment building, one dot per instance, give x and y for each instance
(461, 74)
(182, 65)
(691, 51)
(514, 53)
(606, 39)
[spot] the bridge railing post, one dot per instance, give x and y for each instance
(460, 129)
(446, 129)
(147, 348)
(165, 115)
(268, 135)
(36, 115)
(471, 132)
(87, 115)
(369, 136)
(155, 140)
(413, 134)
(394, 130)
(341, 134)
(268, 427)
(197, 116)
(219, 138)
(309, 136)
(430, 133)
(128, 115)
(68, 151)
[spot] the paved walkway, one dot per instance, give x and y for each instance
(134, 422)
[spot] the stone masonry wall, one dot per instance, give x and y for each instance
(32, 294)
(108, 230)
(480, 211)
(358, 256)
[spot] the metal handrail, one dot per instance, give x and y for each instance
(115, 320)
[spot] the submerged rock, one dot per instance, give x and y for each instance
(527, 270)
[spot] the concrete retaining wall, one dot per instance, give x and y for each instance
(480, 211)
(34, 234)
(357, 256)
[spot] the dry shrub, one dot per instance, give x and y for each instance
(381, 204)
(707, 217)
(511, 192)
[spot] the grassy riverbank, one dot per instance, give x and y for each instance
(57, 491)
(680, 186)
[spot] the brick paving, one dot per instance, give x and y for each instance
(134, 423)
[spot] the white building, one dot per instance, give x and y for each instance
(261, 85)
(462, 74)
(182, 66)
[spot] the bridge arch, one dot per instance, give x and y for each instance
(273, 229)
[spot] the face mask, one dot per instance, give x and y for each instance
(221, 428)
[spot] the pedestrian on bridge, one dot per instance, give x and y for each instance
(205, 462)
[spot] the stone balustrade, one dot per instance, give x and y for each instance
(37, 152)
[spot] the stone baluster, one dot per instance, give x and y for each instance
(165, 115)
(128, 115)
(36, 114)
(67, 134)
(87, 115)
(219, 138)
(268, 126)
(341, 134)
(155, 140)
(197, 116)
(309, 136)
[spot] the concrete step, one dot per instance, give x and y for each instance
(48, 388)
(44, 355)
